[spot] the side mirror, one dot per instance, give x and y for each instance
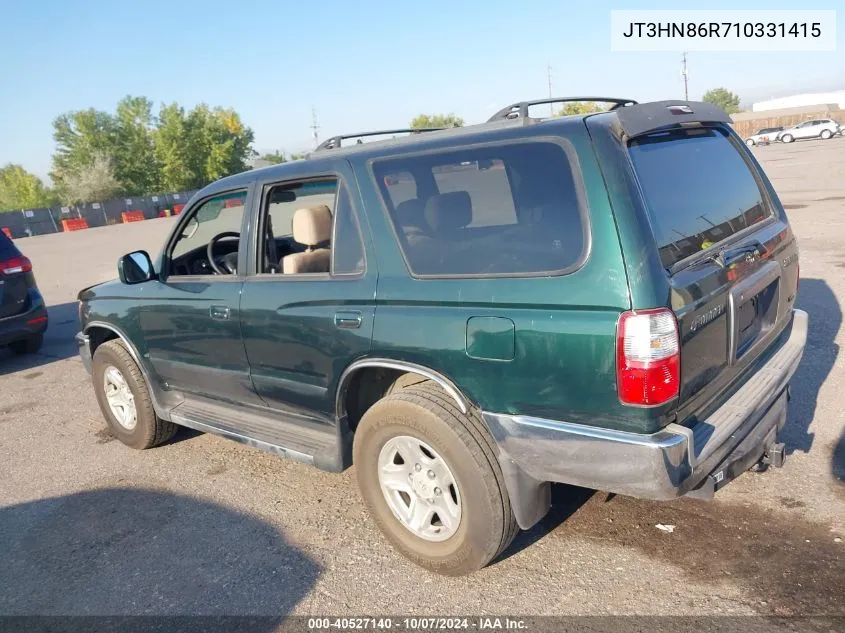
(135, 268)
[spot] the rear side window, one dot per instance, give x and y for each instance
(513, 209)
(698, 189)
(7, 248)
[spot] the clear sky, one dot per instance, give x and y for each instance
(361, 64)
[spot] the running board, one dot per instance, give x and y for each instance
(243, 439)
(298, 441)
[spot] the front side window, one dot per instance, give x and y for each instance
(505, 210)
(216, 222)
(698, 189)
(310, 228)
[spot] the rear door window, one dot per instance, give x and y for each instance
(8, 250)
(698, 189)
(504, 210)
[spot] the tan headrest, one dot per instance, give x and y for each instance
(410, 213)
(449, 211)
(313, 225)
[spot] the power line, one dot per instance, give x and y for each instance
(314, 127)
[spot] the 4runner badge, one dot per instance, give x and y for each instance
(703, 319)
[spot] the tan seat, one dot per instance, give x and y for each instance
(448, 213)
(311, 227)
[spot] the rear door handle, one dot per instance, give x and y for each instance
(219, 313)
(348, 320)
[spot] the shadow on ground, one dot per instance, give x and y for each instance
(125, 551)
(838, 462)
(816, 297)
(784, 565)
(59, 343)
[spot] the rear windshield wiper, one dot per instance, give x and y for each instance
(726, 256)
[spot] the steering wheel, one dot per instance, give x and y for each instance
(230, 261)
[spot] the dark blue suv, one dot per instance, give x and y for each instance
(23, 315)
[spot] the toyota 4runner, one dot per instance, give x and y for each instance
(467, 315)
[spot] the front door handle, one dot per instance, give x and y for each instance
(347, 320)
(219, 313)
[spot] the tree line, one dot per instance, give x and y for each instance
(133, 151)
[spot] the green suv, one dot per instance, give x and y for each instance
(470, 314)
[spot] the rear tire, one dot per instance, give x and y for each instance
(29, 345)
(142, 430)
(787, 138)
(423, 415)
(826, 134)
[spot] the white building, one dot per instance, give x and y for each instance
(808, 99)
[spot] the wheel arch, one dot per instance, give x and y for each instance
(349, 373)
(100, 332)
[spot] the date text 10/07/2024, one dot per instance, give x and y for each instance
(417, 624)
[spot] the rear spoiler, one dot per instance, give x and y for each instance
(636, 120)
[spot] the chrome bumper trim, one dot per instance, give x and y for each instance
(662, 465)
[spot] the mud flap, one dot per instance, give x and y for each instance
(530, 499)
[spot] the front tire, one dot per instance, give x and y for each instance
(124, 398)
(826, 134)
(787, 138)
(29, 345)
(418, 457)
(749, 142)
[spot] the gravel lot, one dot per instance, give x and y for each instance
(206, 526)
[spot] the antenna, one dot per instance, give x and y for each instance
(314, 126)
(551, 108)
(685, 75)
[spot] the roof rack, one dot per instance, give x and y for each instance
(520, 110)
(335, 141)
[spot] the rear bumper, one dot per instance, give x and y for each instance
(22, 326)
(663, 465)
(83, 344)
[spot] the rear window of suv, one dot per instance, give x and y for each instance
(7, 247)
(494, 210)
(698, 189)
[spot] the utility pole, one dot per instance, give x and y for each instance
(549, 72)
(314, 126)
(684, 74)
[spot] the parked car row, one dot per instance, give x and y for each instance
(816, 128)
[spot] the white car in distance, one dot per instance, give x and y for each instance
(763, 136)
(816, 128)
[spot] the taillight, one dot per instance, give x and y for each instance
(15, 265)
(648, 358)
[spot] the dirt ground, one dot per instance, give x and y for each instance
(206, 526)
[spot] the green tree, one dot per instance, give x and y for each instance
(20, 189)
(171, 150)
(579, 107)
(725, 99)
(436, 120)
(217, 144)
(146, 154)
(94, 181)
(275, 158)
(79, 137)
(134, 157)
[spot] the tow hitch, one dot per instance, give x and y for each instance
(774, 455)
